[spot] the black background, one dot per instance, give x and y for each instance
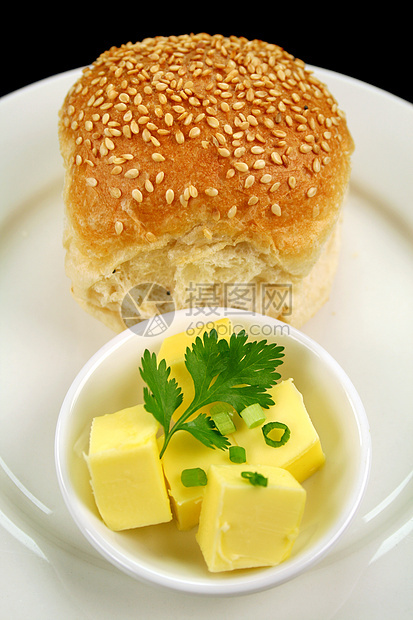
(370, 45)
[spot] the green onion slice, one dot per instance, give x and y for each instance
(253, 415)
(193, 477)
(255, 478)
(267, 428)
(237, 454)
(223, 422)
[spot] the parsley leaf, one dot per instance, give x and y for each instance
(163, 396)
(237, 372)
(243, 371)
(203, 428)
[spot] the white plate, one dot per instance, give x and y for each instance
(47, 568)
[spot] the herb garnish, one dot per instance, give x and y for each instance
(237, 454)
(194, 477)
(256, 479)
(267, 428)
(238, 372)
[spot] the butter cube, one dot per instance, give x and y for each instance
(174, 347)
(302, 455)
(246, 526)
(185, 452)
(126, 473)
(173, 351)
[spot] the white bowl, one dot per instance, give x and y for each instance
(163, 555)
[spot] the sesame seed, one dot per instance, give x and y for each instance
(276, 158)
(312, 192)
(158, 157)
(212, 121)
(316, 165)
(169, 196)
(109, 144)
(249, 181)
(292, 182)
(232, 212)
(276, 209)
(148, 186)
(211, 191)
(118, 227)
(132, 173)
(266, 178)
(169, 119)
(137, 195)
(134, 127)
(241, 166)
(259, 164)
(91, 182)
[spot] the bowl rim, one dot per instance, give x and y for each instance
(266, 578)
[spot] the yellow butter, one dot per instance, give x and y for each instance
(302, 455)
(126, 474)
(185, 452)
(245, 526)
(173, 350)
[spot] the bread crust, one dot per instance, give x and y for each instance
(193, 147)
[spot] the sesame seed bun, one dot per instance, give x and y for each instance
(200, 159)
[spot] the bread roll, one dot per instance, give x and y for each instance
(202, 163)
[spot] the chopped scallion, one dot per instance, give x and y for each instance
(223, 422)
(255, 478)
(237, 454)
(193, 477)
(253, 415)
(267, 428)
